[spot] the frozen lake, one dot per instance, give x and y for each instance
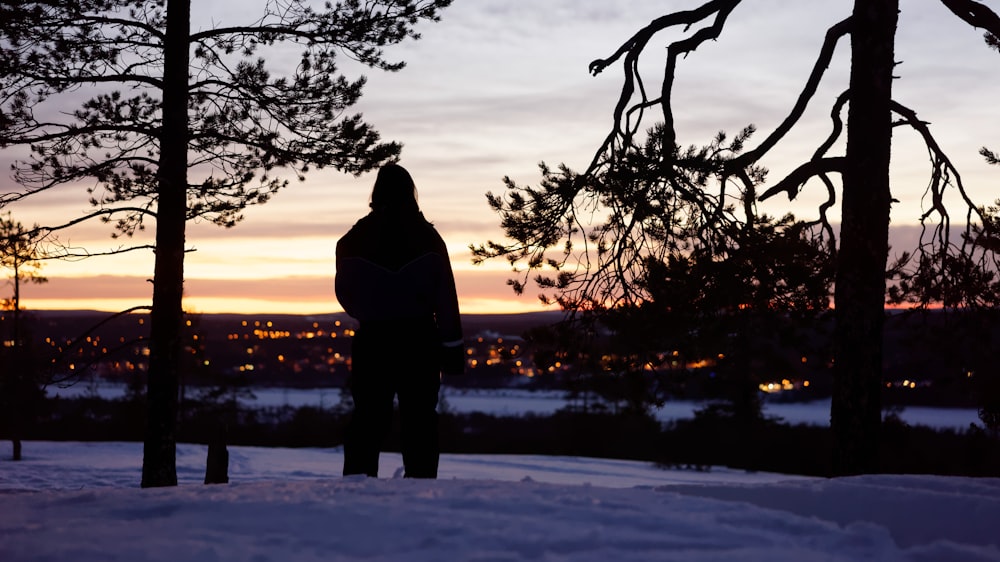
(514, 402)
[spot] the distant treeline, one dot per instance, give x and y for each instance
(700, 443)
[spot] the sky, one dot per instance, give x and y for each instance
(81, 502)
(500, 85)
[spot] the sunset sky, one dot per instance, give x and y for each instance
(500, 85)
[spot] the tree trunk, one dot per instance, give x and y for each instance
(19, 363)
(217, 463)
(159, 463)
(17, 301)
(860, 284)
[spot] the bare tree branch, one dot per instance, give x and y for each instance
(631, 50)
(833, 36)
(975, 14)
(74, 254)
(800, 175)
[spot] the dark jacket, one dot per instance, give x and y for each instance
(394, 267)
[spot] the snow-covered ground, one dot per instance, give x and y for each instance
(514, 402)
(80, 502)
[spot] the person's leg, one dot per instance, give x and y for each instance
(370, 422)
(418, 396)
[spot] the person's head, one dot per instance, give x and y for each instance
(394, 190)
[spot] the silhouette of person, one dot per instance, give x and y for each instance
(394, 277)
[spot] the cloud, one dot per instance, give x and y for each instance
(498, 86)
(481, 289)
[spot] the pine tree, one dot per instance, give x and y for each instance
(612, 219)
(179, 123)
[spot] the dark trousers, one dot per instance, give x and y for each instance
(398, 361)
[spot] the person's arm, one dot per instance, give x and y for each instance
(447, 313)
(449, 319)
(348, 284)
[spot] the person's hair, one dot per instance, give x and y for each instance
(394, 190)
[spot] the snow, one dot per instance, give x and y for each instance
(80, 502)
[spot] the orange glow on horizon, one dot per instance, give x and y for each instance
(217, 305)
(245, 305)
